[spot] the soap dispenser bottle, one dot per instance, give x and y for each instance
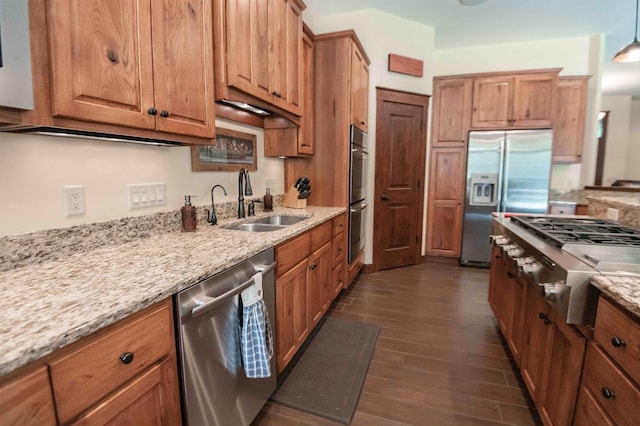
(268, 201)
(189, 218)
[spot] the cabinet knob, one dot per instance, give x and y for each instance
(152, 111)
(547, 321)
(541, 315)
(126, 357)
(617, 342)
(164, 113)
(313, 266)
(608, 393)
(510, 275)
(362, 122)
(385, 197)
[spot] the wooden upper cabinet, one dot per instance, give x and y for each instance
(451, 111)
(514, 101)
(261, 50)
(359, 88)
(134, 63)
(571, 111)
(305, 138)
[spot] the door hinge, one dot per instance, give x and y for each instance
(418, 183)
(417, 239)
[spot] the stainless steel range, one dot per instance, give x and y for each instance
(561, 254)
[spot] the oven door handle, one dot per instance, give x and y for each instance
(206, 304)
(359, 209)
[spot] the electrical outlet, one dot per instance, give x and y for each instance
(74, 200)
(613, 214)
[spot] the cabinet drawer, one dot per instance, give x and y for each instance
(320, 235)
(292, 252)
(339, 224)
(619, 336)
(337, 249)
(601, 377)
(588, 412)
(85, 375)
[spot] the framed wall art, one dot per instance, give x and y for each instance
(231, 151)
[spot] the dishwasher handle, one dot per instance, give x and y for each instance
(208, 303)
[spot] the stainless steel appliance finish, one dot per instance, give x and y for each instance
(356, 229)
(563, 268)
(358, 165)
(357, 192)
(507, 171)
(215, 389)
(16, 85)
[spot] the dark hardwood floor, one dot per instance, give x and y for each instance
(439, 359)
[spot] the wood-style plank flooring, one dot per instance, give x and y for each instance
(439, 359)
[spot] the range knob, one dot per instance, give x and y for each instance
(532, 267)
(553, 289)
(515, 252)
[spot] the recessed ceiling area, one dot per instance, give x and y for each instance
(505, 21)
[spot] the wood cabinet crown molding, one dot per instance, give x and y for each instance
(500, 73)
(344, 34)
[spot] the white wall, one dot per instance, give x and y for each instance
(380, 34)
(632, 170)
(33, 170)
(576, 56)
(618, 136)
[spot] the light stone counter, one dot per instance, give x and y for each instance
(624, 290)
(47, 305)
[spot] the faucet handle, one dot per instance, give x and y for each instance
(252, 208)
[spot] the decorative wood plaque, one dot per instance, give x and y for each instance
(405, 65)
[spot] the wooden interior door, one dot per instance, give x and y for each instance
(101, 61)
(401, 133)
(183, 78)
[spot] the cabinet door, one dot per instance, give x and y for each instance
(291, 313)
(359, 88)
(101, 61)
(339, 279)
(285, 61)
(534, 100)
(320, 287)
(492, 102)
(535, 355)
(564, 365)
(151, 398)
(451, 111)
(27, 400)
(446, 177)
(183, 66)
(305, 134)
(496, 272)
(247, 33)
(515, 337)
(568, 127)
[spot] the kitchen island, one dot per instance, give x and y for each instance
(48, 305)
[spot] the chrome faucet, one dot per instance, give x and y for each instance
(211, 216)
(247, 191)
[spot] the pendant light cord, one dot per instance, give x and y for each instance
(635, 37)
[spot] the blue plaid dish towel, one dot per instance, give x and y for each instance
(257, 336)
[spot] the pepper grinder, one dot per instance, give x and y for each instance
(189, 219)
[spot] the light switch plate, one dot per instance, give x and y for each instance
(142, 195)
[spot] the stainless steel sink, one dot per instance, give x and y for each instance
(282, 219)
(255, 227)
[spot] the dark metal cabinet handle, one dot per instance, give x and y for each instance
(362, 122)
(164, 113)
(126, 357)
(385, 197)
(608, 393)
(152, 111)
(313, 266)
(547, 321)
(541, 315)
(617, 342)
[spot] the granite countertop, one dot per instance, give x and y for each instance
(46, 306)
(624, 290)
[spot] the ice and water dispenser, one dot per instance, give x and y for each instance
(484, 189)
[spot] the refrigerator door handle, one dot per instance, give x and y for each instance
(501, 174)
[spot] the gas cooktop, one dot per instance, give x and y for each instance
(561, 231)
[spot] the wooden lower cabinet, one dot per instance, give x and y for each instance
(305, 290)
(292, 324)
(124, 374)
(27, 400)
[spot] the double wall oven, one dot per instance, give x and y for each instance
(357, 191)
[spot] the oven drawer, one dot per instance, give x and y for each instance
(611, 388)
(619, 336)
(85, 375)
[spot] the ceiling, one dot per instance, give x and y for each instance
(501, 21)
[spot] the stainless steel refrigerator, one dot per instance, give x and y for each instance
(507, 171)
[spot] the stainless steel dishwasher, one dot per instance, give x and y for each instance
(215, 389)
